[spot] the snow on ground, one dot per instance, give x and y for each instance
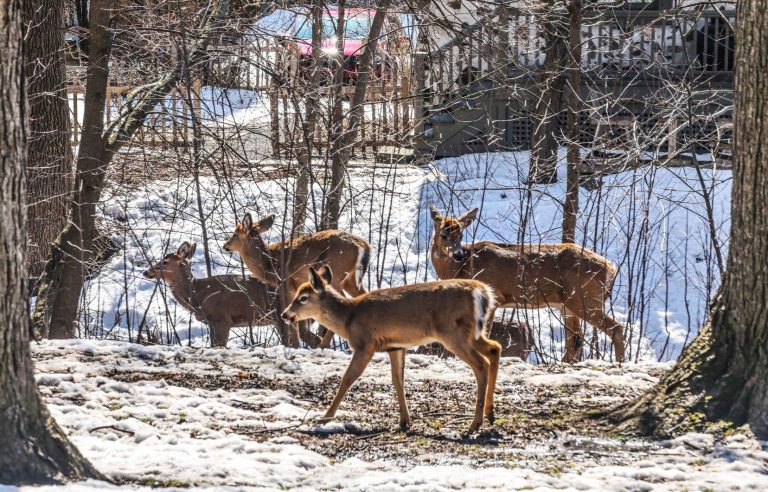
(651, 222)
(219, 107)
(247, 422)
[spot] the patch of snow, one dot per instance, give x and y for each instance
(650, 222)
(188, 437)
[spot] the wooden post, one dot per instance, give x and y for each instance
(394, 101)
(363, 133)
(404, 98)
(384, 111)
(274, 107)
(197, 98)
(419, 71)
(672, 143)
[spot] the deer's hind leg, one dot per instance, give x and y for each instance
(397, 361)
(466, 351)
(327, 337)
(307, 336)
(574, 336)
(491, 350)
(615, 331)
(350, 285)
(219, 331)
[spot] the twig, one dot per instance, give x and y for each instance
(102, 427)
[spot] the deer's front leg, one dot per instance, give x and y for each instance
(360, 359)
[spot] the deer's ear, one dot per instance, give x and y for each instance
(247, 221)
(184, 250)
(315, 281)
(326, 274)
(434, 213)
(192, 249)
(468, 217)
(265, 224)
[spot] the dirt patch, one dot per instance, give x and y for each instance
(546, 427)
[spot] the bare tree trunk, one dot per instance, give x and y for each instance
(49, 164)
(723, 375)
(62, 283)
(65, 270)
(305, 150)
(366, 66)
(571, 205)
(33, 449)
(545, 119)
(342, 153)
(332, 208)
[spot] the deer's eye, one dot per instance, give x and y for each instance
(444, 236)
(303, 299)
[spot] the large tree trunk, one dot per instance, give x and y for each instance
(60, 291)
(571, 204)
(33, 449)
(346, 139)
(49, 164)
(357, 116)
(722, 377)
(309, 126)
(546, 125)
(64, 277)
(332, 206)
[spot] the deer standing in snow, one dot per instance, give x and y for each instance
(221, 301)
(567, 276)
(452, 312)
(347, 254)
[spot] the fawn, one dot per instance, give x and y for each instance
(452, 312)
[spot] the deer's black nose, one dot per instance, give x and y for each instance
(458, 255)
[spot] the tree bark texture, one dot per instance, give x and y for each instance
(722, 377)
(571, 204)
(59, 295)
(332, 207)
(33, 449)
(356, 118)
(49, 162)
(64, 276)
(304, 157)
(546, 125)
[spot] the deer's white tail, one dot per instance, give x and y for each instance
(485, 301)
(362, 264)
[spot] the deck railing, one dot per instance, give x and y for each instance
(507, 46)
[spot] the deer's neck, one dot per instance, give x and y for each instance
(338, 313)
(445, 267)
(261, 264)
(183, 289)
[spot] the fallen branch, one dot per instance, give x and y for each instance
(102, 427)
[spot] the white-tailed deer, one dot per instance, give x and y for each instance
(221, 301)
(452, 312)
(347, 254)
(567, 276)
